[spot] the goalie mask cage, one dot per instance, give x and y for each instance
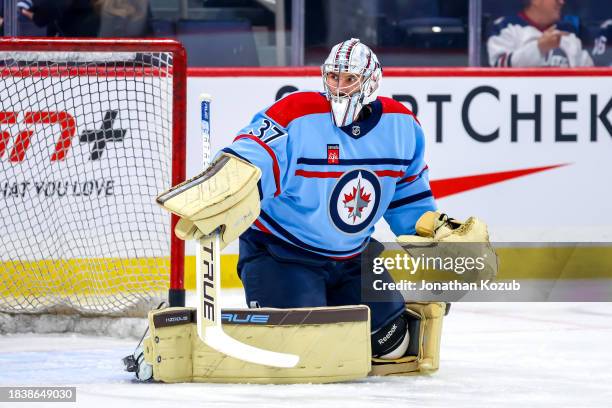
(91, 130)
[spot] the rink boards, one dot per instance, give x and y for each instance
(525, 150)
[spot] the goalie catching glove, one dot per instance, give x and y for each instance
(224, 195)
(436, 227)
(439, 236)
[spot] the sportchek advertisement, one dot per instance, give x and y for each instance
(526, 151)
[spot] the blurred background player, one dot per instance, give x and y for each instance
(124, 18)
(536, 37)
(333, 164)
(89, 18)
(62, 18)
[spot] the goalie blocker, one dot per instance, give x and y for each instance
(215, 207)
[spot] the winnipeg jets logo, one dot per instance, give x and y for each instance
(354, 201)
(357, 200)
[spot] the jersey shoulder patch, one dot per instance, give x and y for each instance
(390, 105)
(296, 105)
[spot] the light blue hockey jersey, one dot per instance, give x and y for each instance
(322, 187)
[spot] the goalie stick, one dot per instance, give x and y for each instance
(208, 284)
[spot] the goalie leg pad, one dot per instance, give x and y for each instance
(333, 344)
(423, 355)
(392, 338)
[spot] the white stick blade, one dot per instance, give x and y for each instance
(217, 339)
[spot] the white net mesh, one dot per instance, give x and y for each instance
(85, 147)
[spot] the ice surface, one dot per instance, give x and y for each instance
(493, 355)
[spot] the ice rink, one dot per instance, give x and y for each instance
(493, 355)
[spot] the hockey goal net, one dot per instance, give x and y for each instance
(90, 132)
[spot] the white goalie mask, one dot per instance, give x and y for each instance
(359, 89)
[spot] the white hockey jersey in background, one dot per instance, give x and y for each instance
(602, 49)
(514, 43)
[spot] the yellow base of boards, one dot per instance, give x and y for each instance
(561, 262)
(28, 279)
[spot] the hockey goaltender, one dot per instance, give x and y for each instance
(302, 186)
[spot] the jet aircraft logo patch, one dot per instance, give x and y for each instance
(354, 201)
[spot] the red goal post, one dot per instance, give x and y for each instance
(90, 131)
